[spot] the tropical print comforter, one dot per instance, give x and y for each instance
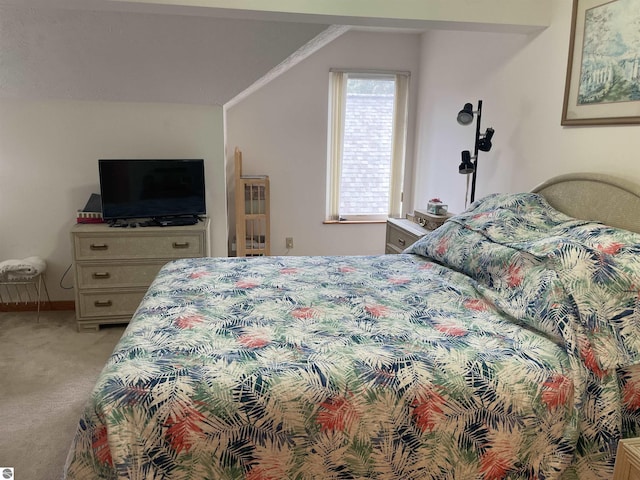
(503, 345)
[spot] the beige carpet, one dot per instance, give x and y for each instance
(47, 370)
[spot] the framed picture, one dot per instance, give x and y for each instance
(603, 71)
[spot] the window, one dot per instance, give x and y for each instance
(367, 135)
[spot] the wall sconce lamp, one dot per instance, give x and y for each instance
(469, 164)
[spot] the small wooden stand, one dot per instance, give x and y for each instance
(252, 212)
(627, 460)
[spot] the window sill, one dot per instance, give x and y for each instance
(351, 222)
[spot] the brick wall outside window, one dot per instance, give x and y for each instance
(366, 164)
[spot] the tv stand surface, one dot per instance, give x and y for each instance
(113, 267)
(176, 221)
(180, 221)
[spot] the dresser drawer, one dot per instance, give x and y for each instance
(401, 234)
(109, 304)
(106, 275)
(142, 246)
(399, 239)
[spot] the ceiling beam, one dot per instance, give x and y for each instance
(494, 15)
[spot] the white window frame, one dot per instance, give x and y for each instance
(337, 108)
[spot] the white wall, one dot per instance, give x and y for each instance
(49, 155)
(282, 132)
(49, 149)
(520, 79)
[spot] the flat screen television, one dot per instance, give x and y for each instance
(154, 189)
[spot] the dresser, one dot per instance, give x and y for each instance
(402, 233)
(113, 267)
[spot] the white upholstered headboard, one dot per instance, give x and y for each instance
(594, 196)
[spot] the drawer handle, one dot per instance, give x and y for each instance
(101, 275)
(99, 246)
(103, 303)
(180, 244)
(401, 241)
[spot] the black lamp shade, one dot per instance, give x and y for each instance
(484, 144)
(465, 116)
(466, 166)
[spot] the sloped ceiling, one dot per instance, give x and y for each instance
(143, 57)
(203, 51)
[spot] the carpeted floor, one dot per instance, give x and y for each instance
(47, 370)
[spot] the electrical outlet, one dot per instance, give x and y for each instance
(289, 242)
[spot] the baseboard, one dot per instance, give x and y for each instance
(33, 306)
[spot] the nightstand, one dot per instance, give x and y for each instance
(627, 460)
(402, 233)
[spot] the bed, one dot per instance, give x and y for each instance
(505, 344)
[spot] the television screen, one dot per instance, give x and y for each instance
(151, 188)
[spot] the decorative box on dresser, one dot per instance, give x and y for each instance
(113, 267)
(627, 460)
(429, 220)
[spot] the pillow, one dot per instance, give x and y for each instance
(578, 282)
(506, 219)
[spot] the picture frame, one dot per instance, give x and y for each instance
(603, 70)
